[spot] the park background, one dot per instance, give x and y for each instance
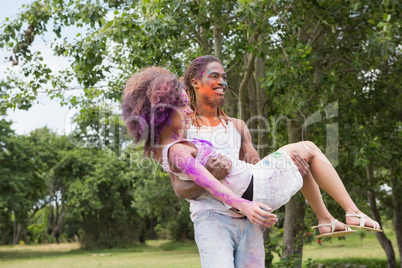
(326, 71)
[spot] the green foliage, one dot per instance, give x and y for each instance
(38, 226)
(154, 197)
(98, 191)
(352, 262)
(98, 127)
(21, 183)
(315, 54)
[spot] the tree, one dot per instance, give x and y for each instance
(309, 57)
(317, 63)
(22, 185)
(155, 200)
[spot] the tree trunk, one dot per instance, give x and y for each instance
(293, 228)
(58, 227)
(151, 231)
(263, 124)
(268, 248)
(217, 42)
(251, 122)
(49, 220)
(17, 232)
(24, 235)
(397, 208)
(243, 85)
(203, 39)
(375, 213)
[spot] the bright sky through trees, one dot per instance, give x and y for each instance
(47, 112)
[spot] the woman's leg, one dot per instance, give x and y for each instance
(327, 178)
(312, 193)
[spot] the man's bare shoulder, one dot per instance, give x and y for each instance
(239, 124)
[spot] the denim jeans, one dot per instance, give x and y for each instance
(226, 242)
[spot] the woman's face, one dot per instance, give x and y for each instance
(181, 118)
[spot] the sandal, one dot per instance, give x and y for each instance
(375, 228)
(333, 233)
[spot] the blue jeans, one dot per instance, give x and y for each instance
(226, 242)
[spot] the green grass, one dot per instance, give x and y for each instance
(351, 249)
(160, 253)
(164, 253)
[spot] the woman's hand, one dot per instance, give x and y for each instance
(259, 214)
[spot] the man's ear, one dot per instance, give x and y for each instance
(194, 83)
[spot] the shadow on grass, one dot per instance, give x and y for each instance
(346, 262)
(32, 253)
(179, 246)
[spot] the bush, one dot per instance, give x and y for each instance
(108, 234)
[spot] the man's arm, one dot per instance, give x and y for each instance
(250, 155)
(219, 167)
(185, 189)
(247, 152)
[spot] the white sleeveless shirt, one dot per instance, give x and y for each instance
(224, 137)
(227, 141)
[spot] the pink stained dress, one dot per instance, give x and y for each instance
(276, 178)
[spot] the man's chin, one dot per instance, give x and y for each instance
(216, 102)
(222, 102)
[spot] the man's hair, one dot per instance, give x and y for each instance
(195, 71)
(149, 99)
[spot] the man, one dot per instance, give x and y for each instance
(225, 238)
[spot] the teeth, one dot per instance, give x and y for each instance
(219, 89)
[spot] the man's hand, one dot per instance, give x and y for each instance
(219, 166)
(301, 164)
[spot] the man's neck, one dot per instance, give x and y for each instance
(209, 113)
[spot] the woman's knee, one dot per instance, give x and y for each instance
(310, 146)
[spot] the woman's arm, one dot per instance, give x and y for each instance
(218, 166)
(181, 159)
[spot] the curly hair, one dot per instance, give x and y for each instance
(149, 98)
(195, 71)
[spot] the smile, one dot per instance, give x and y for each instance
(219, 90)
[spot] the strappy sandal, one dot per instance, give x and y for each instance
(333, 233)
(375, 228)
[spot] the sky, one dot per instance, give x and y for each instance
(47, 112)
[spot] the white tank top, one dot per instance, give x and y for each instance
(224, 137)
(226, 140)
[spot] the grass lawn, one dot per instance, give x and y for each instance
(352, 249)
(163, 253)
(159, 253)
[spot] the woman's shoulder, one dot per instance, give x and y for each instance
(182, 147)
(179, 153)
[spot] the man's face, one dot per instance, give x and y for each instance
(212, 86)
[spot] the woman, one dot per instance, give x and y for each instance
(156, 110)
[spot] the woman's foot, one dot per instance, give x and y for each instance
(334, 228)
(361, 220)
